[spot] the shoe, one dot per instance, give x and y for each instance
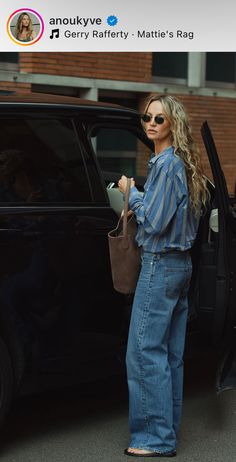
(150, 454)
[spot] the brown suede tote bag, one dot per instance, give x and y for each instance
(124, 252)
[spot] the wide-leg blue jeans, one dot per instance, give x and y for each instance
(155, 350)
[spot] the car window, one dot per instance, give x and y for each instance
(120, 150)
(41, 161)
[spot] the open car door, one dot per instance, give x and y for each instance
(224, 317)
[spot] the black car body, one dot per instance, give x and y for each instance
(61, 320)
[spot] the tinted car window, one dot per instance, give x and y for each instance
(120, 150)
(41, 161)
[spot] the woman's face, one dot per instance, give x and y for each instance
(160, 134)
(25, 20)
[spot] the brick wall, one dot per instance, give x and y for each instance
(220, 114)
(112, 65)
(15, 87)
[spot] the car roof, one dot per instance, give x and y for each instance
(48, 100)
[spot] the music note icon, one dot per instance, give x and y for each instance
(54, 34)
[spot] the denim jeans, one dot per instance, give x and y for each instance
(155, 350)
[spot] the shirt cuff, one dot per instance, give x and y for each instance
(133, 195)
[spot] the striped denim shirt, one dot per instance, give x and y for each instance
(165, 220)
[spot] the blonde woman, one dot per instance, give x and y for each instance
(168, 217)
(24, 28)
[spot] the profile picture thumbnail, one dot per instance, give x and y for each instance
(25, 26)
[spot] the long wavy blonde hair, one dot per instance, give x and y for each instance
(19, 25)
(185, 148)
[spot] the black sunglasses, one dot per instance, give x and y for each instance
(158, 118)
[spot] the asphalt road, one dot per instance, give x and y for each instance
(90, 423)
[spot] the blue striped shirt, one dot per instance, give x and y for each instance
(165, 220)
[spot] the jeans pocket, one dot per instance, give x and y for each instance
(177, 281)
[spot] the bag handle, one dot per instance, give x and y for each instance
(126, 205)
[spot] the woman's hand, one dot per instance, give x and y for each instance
(129, 213)
(122, 183)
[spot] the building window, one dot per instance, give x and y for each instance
(221, 67)
(9, 61)
(56, 90)
(170, 67)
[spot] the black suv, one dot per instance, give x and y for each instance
(61, 320)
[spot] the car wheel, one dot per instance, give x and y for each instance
(6, 381)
